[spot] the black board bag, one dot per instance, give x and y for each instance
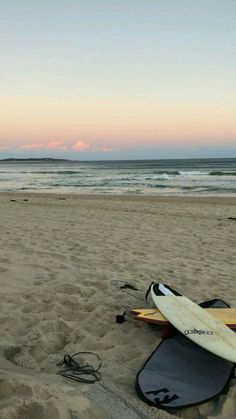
(181, 374)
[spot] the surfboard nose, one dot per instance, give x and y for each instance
(160, 289)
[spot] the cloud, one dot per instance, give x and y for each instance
(31, 146)
(56, 145)
(81, 146)
(52, 145)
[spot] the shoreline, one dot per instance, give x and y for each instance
(74, 196)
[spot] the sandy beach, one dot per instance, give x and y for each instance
(61, 259)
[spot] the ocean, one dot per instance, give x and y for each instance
(139, 177)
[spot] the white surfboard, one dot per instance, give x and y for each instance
(195, 322)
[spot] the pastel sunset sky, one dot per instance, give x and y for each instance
(112, 79)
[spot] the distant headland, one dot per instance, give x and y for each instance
(36, 160)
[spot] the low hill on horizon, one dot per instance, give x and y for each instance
(33, 159)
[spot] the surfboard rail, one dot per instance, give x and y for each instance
(154, 316)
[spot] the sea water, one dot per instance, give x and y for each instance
(150, 177)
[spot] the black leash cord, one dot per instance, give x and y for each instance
(83, 373)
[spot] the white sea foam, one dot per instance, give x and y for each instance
(193, 173)
(162, 176)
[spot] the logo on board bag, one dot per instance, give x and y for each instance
(160, 398)
(197, 332)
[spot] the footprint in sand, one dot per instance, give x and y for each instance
(8, 387)
(11, 352)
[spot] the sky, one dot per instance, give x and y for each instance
(117, 79)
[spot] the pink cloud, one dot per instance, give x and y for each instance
(81, 146)
(56, 145)
(31, 146)
(50, 146)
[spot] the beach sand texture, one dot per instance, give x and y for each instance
(59, 259)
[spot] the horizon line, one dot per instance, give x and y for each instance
(15, 159)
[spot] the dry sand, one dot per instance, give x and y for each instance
(59, 258)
